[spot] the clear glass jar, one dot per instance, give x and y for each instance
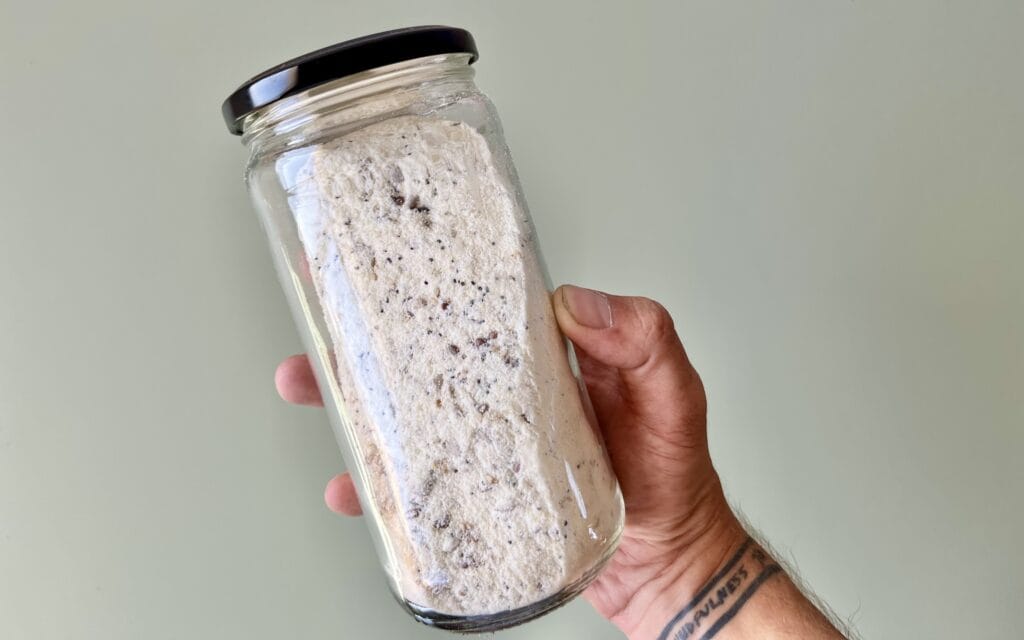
(403, 242)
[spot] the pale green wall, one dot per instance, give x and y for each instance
(828, 194)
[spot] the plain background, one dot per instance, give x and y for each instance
(827, 194)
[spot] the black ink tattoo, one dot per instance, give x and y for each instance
(723, 596)
(705, 590)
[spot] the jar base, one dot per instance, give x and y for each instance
(506, 619)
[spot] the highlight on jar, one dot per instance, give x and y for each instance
(403, 243)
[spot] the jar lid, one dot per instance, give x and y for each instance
(340, 60)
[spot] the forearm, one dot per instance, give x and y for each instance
(729, 588)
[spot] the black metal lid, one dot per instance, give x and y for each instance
(340, 60)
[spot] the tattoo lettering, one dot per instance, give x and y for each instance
(723, 596)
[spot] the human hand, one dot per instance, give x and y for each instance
(650, 405)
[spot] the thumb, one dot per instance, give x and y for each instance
(630, 350)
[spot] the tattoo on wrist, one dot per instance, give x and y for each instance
(723, 596)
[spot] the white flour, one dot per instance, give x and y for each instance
(490, 484)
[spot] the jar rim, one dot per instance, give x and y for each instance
(340, 60)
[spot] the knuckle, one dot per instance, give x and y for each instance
(655, 321)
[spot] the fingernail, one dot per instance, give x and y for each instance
(589, 308)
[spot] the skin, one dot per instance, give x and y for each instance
(652, 409)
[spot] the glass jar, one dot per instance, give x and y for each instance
(403, 242)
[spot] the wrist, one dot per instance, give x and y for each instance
(694, 570)
(733, 590)
(690, 560)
